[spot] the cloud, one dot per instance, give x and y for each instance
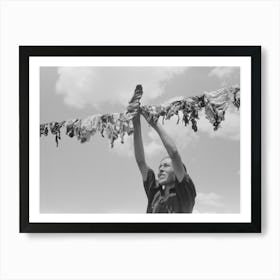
(222, 72)
(181, 135)
(184, 135)
(229, 128)
(175, 98)
(209, 199)
(209, 203)
(93, 86)
(153, 146)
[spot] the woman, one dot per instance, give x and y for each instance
(174, 191)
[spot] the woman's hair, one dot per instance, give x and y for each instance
(170, 158)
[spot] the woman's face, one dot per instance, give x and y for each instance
(166, 173)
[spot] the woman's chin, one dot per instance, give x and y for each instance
(162, 182)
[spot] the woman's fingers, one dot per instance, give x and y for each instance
(133, 107)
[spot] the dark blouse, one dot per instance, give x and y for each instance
(180, 199)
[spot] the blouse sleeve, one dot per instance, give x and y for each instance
(150, 182)
(186, 193)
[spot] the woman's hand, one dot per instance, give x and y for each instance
(149, 118)
(133, 107)
(134, 110)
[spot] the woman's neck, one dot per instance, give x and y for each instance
(168, 187)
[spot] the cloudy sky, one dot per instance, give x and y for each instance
(93, 178)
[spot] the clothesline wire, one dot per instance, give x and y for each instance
(115, 125)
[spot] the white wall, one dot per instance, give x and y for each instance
(139, 256)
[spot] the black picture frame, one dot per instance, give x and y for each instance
(254, 52)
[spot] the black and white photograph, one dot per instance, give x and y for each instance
(130, 161)
(131, 139)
